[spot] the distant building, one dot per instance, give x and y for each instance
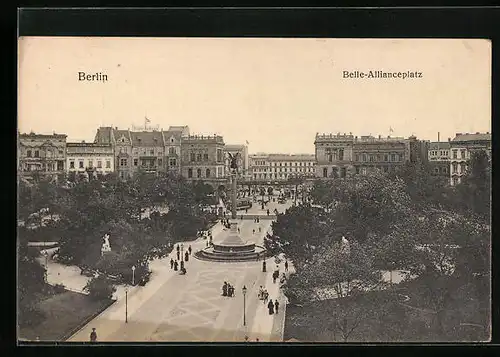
(439, 159)
(340, 155)
(202, 157)
(461, 148)
(279, 167)
(150, 151)
(89, 159)
(41, 154)
(243, 160)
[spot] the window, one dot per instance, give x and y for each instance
(436, 170)
(205, 157)
(71, 164)
(330, 158)
(60, 165)
(325, 172)
(207, 173)
(108, 164)
(160, 162)
(198, 173)
(363, 157)
(198, 157)
(455, 180)
(462, 153)
(190, 173)
(386, 157)
(192, 157)
(454, 167)
(99, 164)
(371, 158)
(80, 164)
(454, 154)
(219, 155)
(171, 151)
(49, 153)
(393, 157)
(61, 152)
(28, 153)
(91, 163)
(341, 154)
(37, 153)
(173, 162)
(445, 170)
(123, 162)
(343, 172)
(356, 157)
(152, 152)
(136, 161)
(463, 167)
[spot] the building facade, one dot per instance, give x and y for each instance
(41, 154)
(202, 157)
(242, 161)
(439, 159)
(461, 148)
(89, 159)
(341, 155)
(280, 167)
(152, 151)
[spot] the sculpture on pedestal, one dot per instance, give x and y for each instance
(106, 247)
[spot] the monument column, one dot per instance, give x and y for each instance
(233, 197)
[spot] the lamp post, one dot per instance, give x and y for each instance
(133, 274)
(46, 255)
(126, 304)
(244, 303)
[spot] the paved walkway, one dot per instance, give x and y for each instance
(173, 307)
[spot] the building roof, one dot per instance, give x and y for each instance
(439, 145)
(177, 134)
(104, 135)
(42, 136)
(85, 144)
(235, 147)
(472, 137)
(146, 138)
(177, 127)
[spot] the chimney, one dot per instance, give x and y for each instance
(449, 139)
(477, 133)
(438, 136)
(457, 134)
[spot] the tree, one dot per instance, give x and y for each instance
(100, 288)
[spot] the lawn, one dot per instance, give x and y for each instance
(65, 313)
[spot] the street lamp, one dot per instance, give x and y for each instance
(244, 303)
(133, 274)
(126, 304)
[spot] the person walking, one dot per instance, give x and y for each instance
(270, 307)
(93, 335)
(276, 305)
(268, 211)
(186, 256)
(176, 266)
(171, 263)
(286, 265)
(182, 264)
(260, 229)
(190, 250)
(264, 266)
(178, 248)
(178, 255)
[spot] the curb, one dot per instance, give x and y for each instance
(87, 320)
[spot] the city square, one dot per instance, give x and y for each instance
(237, 208)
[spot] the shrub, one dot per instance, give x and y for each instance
(100, 288)
(59, 288)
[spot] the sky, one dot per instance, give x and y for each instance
(274, 93)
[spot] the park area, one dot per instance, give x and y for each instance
(60, 313)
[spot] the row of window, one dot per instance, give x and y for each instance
(455, 154)
(148, 163)
(198, 173)
(439, 152)
(281, 169)
(392, 157)
(59, 166)
(36, 153)
(263, 163)
(90, 164)
(455, 165)
(272, 176)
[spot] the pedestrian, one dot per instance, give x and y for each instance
(270, 307)
(186, 256)
(264, 266)
(253, 231)
(182, 264)
(286, 265)
(93, 335)
(260, 230)
(171, 263)
(190, 249)
(246, 210)
(176, 266)
(178, 255)
(178, 247)
(241, 217)
(224, 289)
(268, 211)
(238, 229)
(276, 305)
